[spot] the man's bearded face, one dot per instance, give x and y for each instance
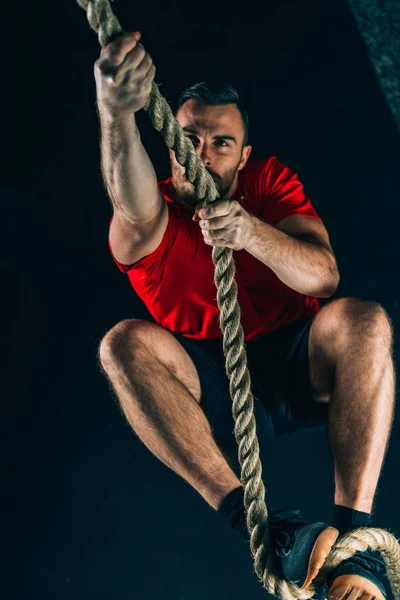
(217, 135)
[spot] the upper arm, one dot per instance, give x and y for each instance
(131, 240)
(306, 228)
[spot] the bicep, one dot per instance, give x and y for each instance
(130, 240)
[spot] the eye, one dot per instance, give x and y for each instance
(222, 142)
(193, 139)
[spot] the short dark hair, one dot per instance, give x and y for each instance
(213, 94)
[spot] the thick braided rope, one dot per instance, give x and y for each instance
(104, 22)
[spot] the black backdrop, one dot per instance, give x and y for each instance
(88, 512)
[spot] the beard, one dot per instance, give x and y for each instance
(185, 191)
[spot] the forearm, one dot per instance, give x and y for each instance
(128, 173)
(303, 266)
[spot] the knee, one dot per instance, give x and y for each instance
(122, 341)
(363, 318)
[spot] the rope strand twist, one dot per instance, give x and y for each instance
(106, 25)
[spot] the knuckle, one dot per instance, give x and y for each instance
(111, 80)
(105, 66)
(140, 51)
(112, 49)
(126, 37)
(116, 45)
(100, 65)
(97, 66)
(112, 53)
(150, 73)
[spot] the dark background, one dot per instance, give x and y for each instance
(88, 512)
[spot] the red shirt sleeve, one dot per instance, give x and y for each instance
(283, 194)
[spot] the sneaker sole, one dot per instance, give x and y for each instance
(320, 551)
(357, 586)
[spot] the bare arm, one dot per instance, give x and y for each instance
(140, 211)
(297, 250)
(124, 76)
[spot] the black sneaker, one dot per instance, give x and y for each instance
(363, 575)
(301, 547)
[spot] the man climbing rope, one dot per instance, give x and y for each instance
(310, 366)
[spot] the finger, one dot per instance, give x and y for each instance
(149, 76)
(216, 222)
(217, 234)
(144, 66)
(115, 53)
(198, 206)
(136, 56)
(137, 64)
(217, 243)
(219, 208)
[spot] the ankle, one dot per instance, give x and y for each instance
(345, 518)
(361, 504)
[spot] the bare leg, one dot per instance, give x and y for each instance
(351, 367)
(159, 391)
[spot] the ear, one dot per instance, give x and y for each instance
(245, 157)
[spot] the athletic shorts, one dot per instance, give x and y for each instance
(279, 368)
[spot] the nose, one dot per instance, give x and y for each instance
(204, 154)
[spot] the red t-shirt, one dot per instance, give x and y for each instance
(176, 281)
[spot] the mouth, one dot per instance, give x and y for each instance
(214, 178)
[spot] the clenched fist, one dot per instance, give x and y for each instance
(225, 223)
(124, 74)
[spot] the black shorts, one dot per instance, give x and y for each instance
(279, 368)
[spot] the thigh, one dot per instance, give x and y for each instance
(209, 360)
(141, 341)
